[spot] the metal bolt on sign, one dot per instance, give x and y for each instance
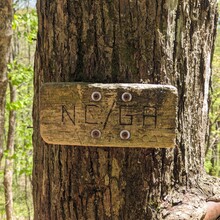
(125, 135)
(96, 96)
(96, 133)
(126, 97)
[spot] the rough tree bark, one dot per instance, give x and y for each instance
(5, 41)
(152, 41)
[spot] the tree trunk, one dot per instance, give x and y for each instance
(8, 171)
(5, 41)
(159, 42)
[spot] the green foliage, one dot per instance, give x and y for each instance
(20, 75)
(212, 162)
(25, 24)
(20, 210)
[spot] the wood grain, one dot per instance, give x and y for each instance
(72, 114)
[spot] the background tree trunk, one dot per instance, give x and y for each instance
(9, 161)
(162, 42)
(5, 41)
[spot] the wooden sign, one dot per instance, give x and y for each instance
(114, 115)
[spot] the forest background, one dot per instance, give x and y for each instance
(20, 81)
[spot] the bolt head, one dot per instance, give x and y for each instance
(125, 135)
(126, 97)
(96, 96)
(96, 133)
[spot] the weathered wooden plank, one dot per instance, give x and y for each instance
(114, 115)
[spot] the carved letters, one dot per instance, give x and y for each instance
(126, 115)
